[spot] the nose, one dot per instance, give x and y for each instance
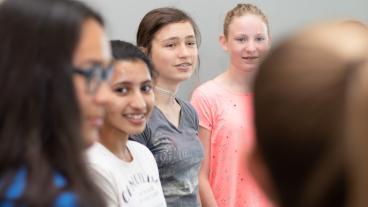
(183, 50)
(251, 47)
(102, 94)
(138, 101)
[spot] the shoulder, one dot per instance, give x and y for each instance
(206, 86)
(207, 93)
(140, 152)
(17, 187)
(144, 137)
(96, 151)
(209, 88)
(66, 199)
(189, 113)
(187, 107)
(138, 147)
(98, 157)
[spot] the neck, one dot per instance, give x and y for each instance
(238, 80)
(164, 95)
(115, 141)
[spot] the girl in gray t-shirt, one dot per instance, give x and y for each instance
(169, 36)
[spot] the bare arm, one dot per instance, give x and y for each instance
(205, 191)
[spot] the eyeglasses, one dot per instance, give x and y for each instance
(94, 76)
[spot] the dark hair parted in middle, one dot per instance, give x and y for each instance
(156, 19)
(122, 50)
(40, 116)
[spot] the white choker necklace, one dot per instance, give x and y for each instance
(165, 92)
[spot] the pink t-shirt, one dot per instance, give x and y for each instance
(229, 117)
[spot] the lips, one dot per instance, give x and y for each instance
(250, 59)
(136, 118)
(183, 66)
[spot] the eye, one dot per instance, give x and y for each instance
(191, 43)
(260, 39)
(146, 88)
(121, 90)
(241, 39)
(170, 45)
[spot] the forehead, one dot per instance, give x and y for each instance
(248, 23)
(175, 30)
(126, 69)
(92, 45)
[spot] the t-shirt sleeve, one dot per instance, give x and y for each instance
(203, 108)
(104, 182)
(151, 161)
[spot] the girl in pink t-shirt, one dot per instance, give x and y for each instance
(224, 106)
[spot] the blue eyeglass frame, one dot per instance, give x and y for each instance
(95, 71)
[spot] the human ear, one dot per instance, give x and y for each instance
(144, 50)
(223, 42)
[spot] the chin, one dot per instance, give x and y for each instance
(248, 68)
(184, 77)
(136, 130)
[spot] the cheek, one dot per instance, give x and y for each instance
(264, 48)
(150, 101)
(112, 107)
(194, 52)
(159, 60)
(236, 50)
(159, 55)
(80, 92)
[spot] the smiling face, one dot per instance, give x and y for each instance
(92, 49)
(174, 52)
(247, 42)
(128, 110)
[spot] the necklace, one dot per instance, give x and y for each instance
(165, 92)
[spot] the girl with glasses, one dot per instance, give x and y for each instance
(49, 113)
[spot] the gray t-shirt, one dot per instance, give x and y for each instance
(178, 153)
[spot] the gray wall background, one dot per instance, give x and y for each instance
(123, 16)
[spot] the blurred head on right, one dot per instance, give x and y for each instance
(311, 98)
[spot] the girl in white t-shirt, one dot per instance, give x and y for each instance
(126, 171)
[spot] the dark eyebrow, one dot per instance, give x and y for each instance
(93, 62)
(171, 39)
(129, 83)
(147, 81)
(89, 63)
(190, 36)
(177, 38)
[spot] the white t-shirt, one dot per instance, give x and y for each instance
(134, 184)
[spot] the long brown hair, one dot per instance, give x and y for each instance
(40, 122)
(158, 18)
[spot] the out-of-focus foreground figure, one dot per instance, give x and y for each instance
(54, 61)
(311, 115)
